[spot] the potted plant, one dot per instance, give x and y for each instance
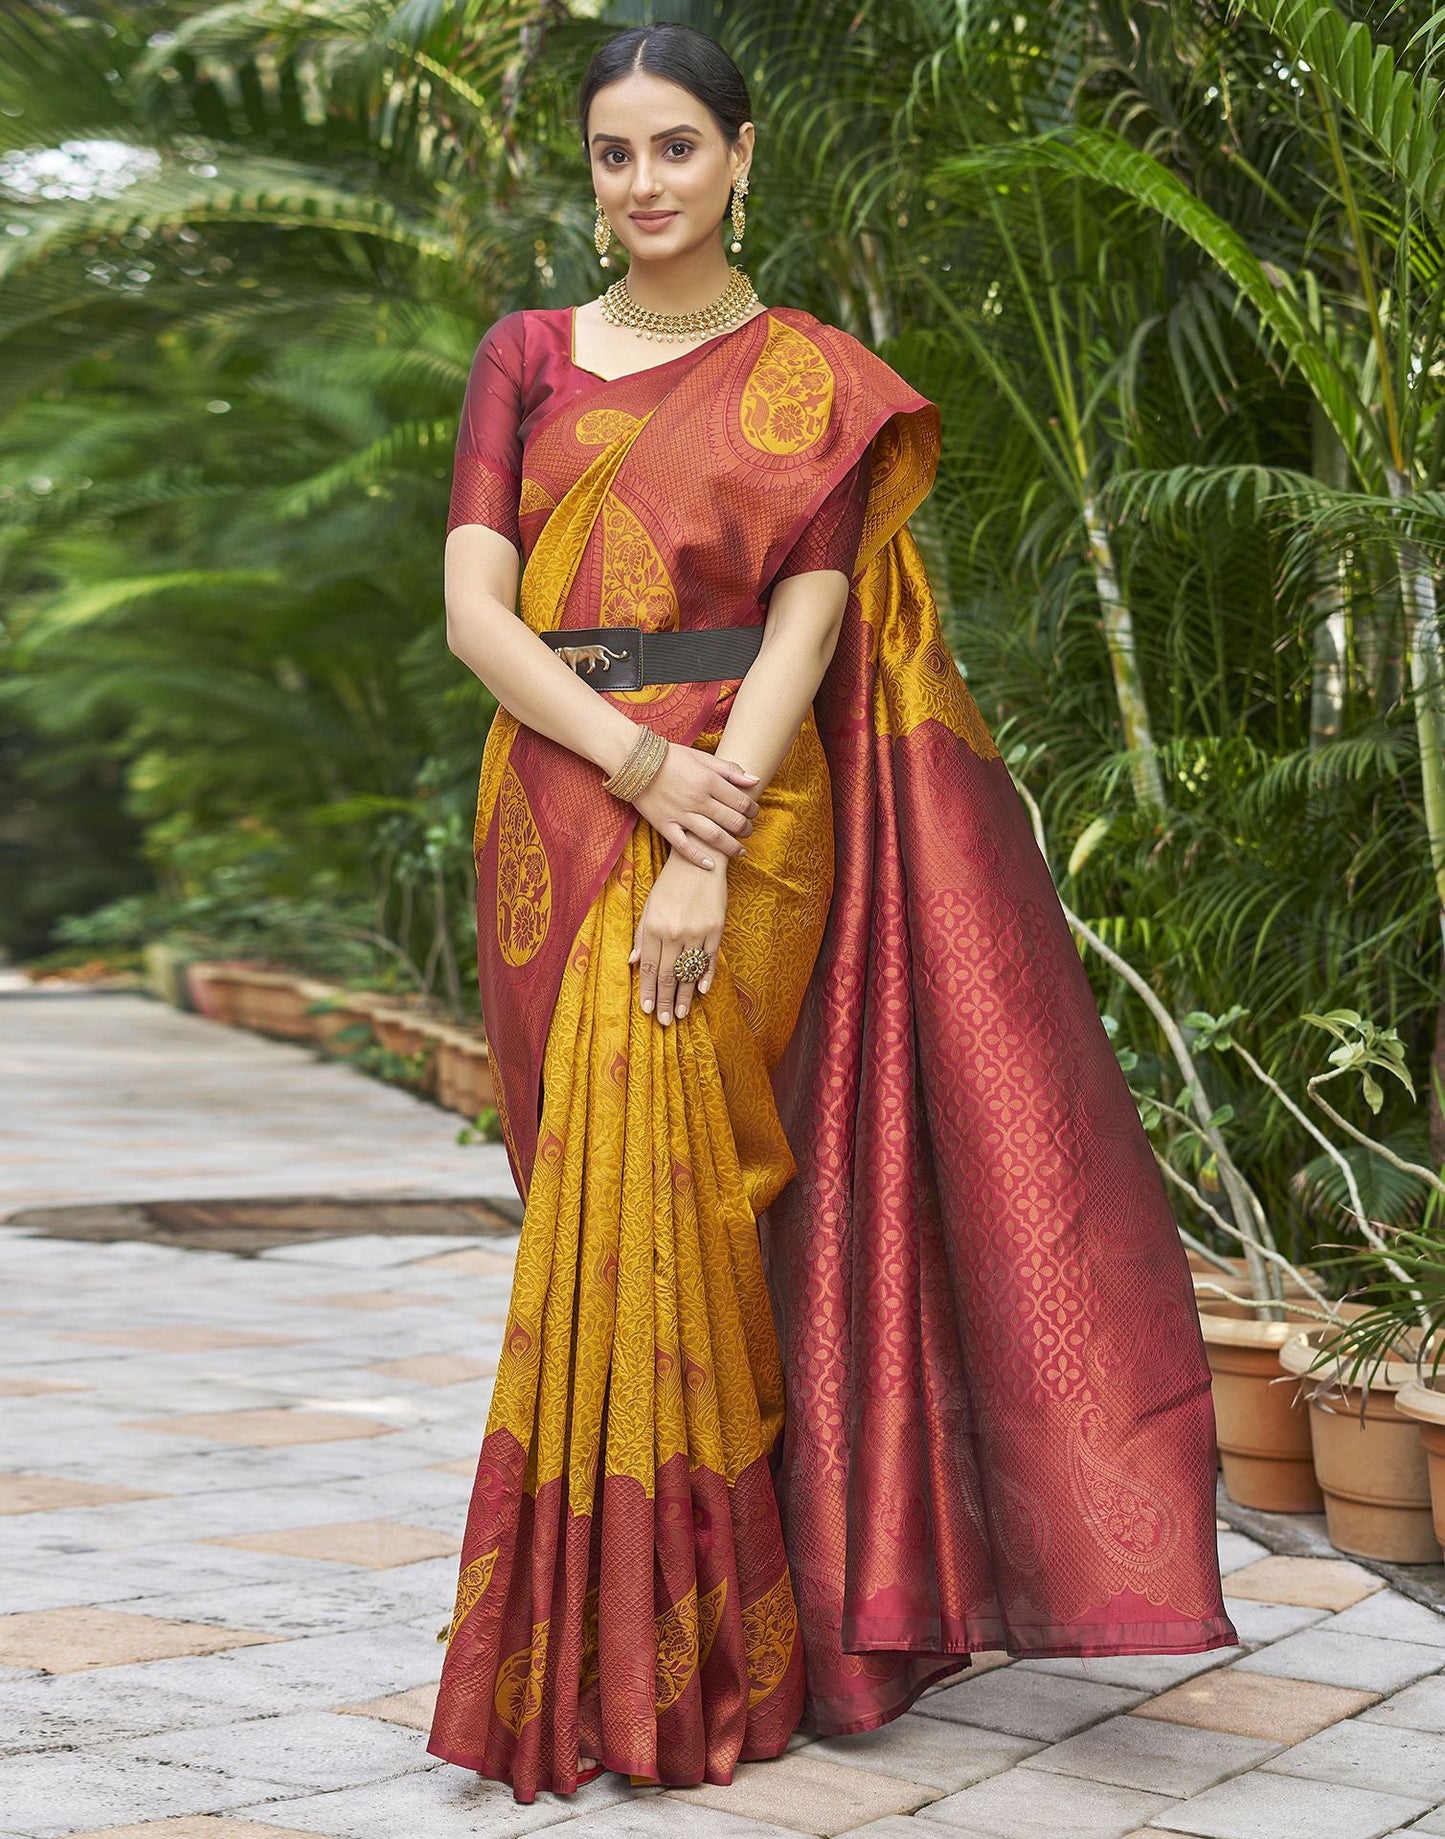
(1368, 1459)
(1394, 1346)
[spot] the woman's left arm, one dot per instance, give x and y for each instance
(805, 616)
(686, 905)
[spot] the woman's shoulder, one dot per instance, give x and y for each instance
(513, 330)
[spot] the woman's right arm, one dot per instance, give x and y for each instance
(696, 802)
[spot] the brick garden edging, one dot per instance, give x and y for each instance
(457, 1069)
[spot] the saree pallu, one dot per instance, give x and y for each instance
(894, 1126)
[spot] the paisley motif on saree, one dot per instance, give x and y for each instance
(998, 1422)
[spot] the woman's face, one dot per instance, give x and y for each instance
(662, 168)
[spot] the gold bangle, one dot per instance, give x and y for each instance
(640, 768)
(648, 767)
(621, 782)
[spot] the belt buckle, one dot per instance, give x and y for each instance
(609, 658)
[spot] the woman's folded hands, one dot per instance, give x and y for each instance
(701, 805)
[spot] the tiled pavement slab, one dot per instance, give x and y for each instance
(1154, 1756)
(1256, 1705)
(1029, 1804)
(933, 1751)
(233, 1493)
(1418, 1707)
(196, 1826)
(1368, 1662)
(1029, 1704)
(808, 1793)
(1272, 1806)
(1314, 1583)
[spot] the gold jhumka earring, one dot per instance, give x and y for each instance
(740, 191)
(602, 235)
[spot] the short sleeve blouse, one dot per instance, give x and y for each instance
(487, 473)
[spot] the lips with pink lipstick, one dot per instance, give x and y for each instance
(651, 220)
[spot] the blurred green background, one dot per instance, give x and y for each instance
(1175, 274)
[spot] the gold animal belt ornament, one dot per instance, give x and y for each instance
(587, 657)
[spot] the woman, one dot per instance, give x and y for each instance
(774, 976)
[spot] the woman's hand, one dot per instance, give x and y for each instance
(685, 905)
(699, 804)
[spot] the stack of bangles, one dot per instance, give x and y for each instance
(641, 766)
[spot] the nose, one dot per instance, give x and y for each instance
(646, 183)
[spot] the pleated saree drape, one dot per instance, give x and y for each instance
(884, 1184)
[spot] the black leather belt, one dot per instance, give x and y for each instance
(627, 658)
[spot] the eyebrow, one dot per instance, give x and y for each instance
(667, 134)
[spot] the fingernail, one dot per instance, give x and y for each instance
(663, 1017)
(646, 1006)
(708, 862)
(681, 1011)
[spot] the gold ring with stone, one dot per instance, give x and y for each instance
(689, 965)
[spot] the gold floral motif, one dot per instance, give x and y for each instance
(786, 400)
(709, 1614)
(535, 497)
(770, 1627)
(676, 1651)
(600, 427)
(471, 1588)
(636, 588)
(518, 1697)
(524, 881)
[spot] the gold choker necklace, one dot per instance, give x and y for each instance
(732, 306)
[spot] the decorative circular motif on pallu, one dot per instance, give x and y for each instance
(770, 1627)
(600, 427)
(636, 587)
(524, 879)
(676, 1630)
(518, 1697)
(788, 394)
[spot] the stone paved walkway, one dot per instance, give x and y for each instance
(115, 1098)
(229, 1513)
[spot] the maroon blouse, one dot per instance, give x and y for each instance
(523, 370)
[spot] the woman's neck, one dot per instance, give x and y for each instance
(681, 284)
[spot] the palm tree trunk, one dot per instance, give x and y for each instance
(1118, 627)
(1327, 674)
(1427, 680)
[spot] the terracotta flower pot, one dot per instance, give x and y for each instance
(1371, 1467)
(1261, 1418)
(1424, 1402)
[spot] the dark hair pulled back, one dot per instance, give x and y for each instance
(683, 56)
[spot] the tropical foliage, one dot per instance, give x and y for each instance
(1173, 269)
